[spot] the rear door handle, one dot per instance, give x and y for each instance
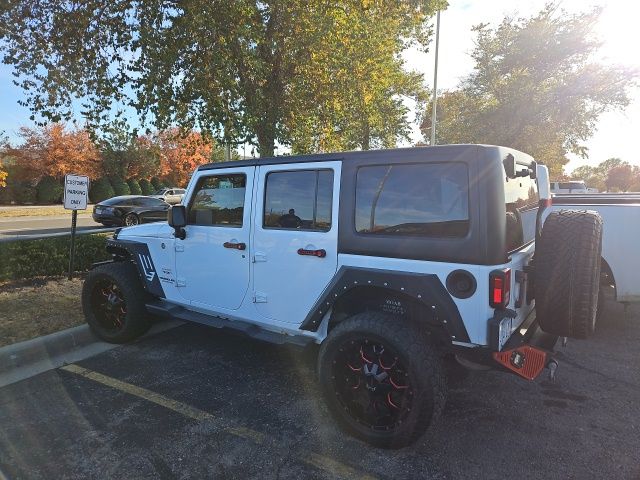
(320, 253)
(237, 246)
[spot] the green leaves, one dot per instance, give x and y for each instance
(536, 87)
(315, 74)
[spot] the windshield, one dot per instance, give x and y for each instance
(161, 191)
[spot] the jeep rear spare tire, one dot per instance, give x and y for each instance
(381, 378)
(567, 273)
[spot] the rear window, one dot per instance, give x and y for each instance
(413, 199)
(521, 199)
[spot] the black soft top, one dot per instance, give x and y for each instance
(442, 152)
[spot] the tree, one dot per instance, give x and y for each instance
(125, 155)
(590, 176)
(536, 86)
(355, 100)
(180, 155)
(4, 142)
(55, 151)
(230, 69)
(620, 178)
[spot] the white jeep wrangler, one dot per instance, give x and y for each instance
(390, 260)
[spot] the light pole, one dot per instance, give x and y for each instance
(435, 83)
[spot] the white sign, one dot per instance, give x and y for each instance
(76, 191)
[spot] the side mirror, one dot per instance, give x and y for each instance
(510, 166)
(177, 218)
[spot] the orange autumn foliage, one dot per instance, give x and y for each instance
(55, 151)
(181, 155)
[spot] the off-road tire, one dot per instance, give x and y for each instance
(567, 273)
(414, 349)
(136, 321)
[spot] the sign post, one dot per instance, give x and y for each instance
(76, 191)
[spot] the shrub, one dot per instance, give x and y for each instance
(49, 256)
(49, 190)
(120, 187)
(6, 195)
(100, 190)
(146, 187)
(156, 184)
(134, 186)
(24, 193)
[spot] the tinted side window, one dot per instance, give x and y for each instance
(299, 200)
(148, 202)
(218, 201)
(521, 198)
(413, 199)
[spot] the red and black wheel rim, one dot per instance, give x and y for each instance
(372, 384)
(108, 305)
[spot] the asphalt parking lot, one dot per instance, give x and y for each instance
(194, 402)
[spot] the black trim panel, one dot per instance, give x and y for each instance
(166, 309)
(423, 288)
(139, 254)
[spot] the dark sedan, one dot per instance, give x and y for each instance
(129, 210)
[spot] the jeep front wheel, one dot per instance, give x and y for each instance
(381, 378)
(113, 303)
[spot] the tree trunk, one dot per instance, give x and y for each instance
(366, 135)
(266, 144)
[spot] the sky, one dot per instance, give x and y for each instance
(617, 29)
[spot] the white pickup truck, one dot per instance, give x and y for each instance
(620, 248)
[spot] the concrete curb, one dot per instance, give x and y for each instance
(26, 359)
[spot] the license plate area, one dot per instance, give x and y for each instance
(501, 327)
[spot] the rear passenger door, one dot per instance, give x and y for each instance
(295, 237)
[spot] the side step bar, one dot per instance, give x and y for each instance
(164, 309)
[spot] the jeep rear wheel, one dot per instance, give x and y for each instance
(113, 303)
(567, 273)
(382, 380)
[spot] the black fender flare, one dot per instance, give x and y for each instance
(426, 289)
(138, 253)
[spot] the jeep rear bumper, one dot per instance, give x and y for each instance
(527, 352)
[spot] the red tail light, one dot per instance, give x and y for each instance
(500, 288)
(545, 202)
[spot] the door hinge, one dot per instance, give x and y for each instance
(179, 247)
(259, 257)
(181, 282)
(259, 297)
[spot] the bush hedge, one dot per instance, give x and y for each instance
(24, 193)
(49, 256)
(120, 187)
(49, 190)
(146, 187)
(134, 186)
(100, 190)
(156, 184)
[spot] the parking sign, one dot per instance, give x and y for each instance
(76, 191)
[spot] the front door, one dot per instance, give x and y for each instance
(212, 262)
(295, 237)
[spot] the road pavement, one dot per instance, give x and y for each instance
(195, 402)
(29, 227)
